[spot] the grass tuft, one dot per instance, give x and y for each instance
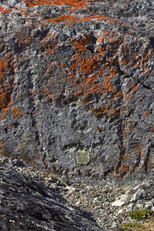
(141, 214)
(145, 221)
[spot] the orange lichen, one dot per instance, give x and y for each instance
(32, 163)
(139, 151)
(125, 157)
(2, 149)
(8, 10)
(123, 168)
(72, 18)
(123, 62)
(95, 76)
(149, 165)
(3, 65)
(131, 125)
(46, 91)
(3, 10)
(100, 129)
(20, 145)
(2, 115)
(15, 112)
(73, 9)
(104, 110)
(4, 85)
(146, 113)
(92, 74)
(52, 51)
(1, 144)
(80, 45)
(119, 175)
(75, 3)
(102, 51)
(107, 82)
(128, 98)
(63, 18)
(68, 23)
(3, 152)
(89, 66)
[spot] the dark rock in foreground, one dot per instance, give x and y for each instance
(27, 204)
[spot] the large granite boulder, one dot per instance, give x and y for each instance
(76, 88)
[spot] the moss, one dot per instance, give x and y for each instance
(141, 214)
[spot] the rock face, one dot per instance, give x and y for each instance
(29, 204)
(76, 89)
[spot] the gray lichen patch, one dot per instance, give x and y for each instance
(82, 157)
(25, 137)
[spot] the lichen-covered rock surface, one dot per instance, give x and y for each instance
(76, 87)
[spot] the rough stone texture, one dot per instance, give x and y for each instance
(26, 203)
(77, 76)
(32, 199)
(112, 204)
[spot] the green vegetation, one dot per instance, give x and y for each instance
(130, 226)
(145, 221)
(141, 214)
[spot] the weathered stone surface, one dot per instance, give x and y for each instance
(74, 76)
(112, 204)
(29, 197)
(26, 203)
